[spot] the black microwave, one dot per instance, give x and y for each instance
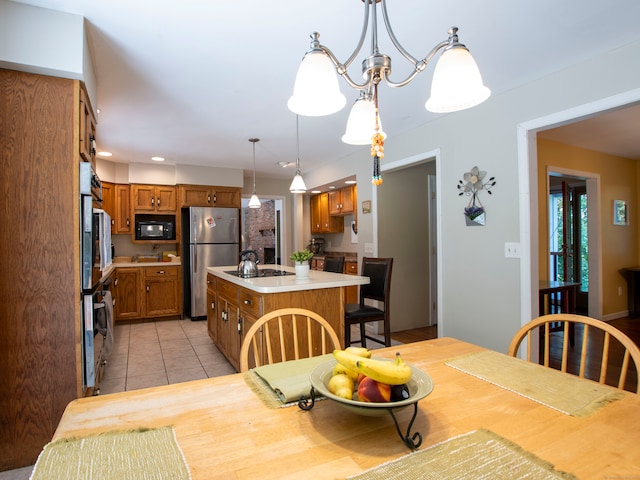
(155, 227)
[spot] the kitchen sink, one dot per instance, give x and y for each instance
(147, 258)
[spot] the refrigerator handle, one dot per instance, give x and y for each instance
(195, 245)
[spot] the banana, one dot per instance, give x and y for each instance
(347, 359)
(391, 373)
(360, 351)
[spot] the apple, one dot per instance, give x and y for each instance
(371, 391)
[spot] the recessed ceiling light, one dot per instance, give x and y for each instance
(285, 164)
(316, 191)
(104, 154)
(331, 187)
(157, 159)
(350, 182)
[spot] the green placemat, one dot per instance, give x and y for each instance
(282, 384)
(477, 455)
(149, 454)
(564, 392)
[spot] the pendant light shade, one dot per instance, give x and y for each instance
(254, 201)
(316, 91)
(297, 185)
(457, 83)
(362, 122)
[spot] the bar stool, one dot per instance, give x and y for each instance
(334, 264)
(379, 272)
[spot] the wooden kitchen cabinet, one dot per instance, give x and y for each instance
(122, 223)
(162, 290)
(321, 219)
(40, 308)
(88, 129)
(126, 293)
(209, 196)
(109, 200)
(342, 202)
(153, 198)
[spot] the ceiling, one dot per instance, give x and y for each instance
(193, 80)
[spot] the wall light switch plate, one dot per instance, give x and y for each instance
(512, 250)
(368, 248)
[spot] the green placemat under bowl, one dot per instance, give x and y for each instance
(477, 455)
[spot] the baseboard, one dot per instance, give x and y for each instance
(613, 316)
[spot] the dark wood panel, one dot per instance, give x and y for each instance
(39, 295)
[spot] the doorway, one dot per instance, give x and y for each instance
(403, 204)
(568, 240)
(261, 230)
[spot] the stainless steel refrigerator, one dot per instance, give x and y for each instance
(210, 239)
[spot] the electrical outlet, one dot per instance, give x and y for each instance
(512, 250)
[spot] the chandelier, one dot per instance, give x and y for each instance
(456, 85)
(297, 184)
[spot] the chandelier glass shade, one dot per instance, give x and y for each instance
(297, 185)
(254, 201)
(457, 83)
(362, 122)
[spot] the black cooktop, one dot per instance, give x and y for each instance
(262, 272)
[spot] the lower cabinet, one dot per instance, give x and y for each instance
(147, 292)
(126, 293)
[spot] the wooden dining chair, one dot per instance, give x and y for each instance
(286, 334)
(334, 264)
(379, 288)
(597, 349)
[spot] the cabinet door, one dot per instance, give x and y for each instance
(226, 197)
(162, 291)
(143, 198)
(347, 198)
(246, 322)
(126, 292)
(229, 330)
(109, 201)
(195, 196)
(314, 206)
(166, 199)
(122, 209)
(324, 213)
(335, 202)
(87, 128)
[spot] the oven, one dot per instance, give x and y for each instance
(95, 257)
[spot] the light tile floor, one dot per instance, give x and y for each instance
(161, 353)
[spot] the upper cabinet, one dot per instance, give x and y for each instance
(209, 196)
(321, 219)
(122, 222)
(87, 128)
(342, 202)
(153, 198)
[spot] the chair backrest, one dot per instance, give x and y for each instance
(593, 330)
(334, 264)
(379, 272)
(287, 334)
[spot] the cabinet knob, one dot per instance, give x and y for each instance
(152, 201)
(148, 289)
(158, 202)
(213, 306)
(128, 223)
(208, 198)
(247, 302)
(115, 282)
(160, 272)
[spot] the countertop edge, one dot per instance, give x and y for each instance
(290, 283)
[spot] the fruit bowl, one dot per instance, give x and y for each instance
(419, 387)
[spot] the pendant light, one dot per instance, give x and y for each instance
(297, 185)
(254, 202)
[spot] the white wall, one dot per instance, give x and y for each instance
(47, 42)
(480, 288)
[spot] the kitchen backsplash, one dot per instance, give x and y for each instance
(124, 247)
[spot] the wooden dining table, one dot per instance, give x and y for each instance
(225, 431)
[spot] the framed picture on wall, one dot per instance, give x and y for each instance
(620, 213)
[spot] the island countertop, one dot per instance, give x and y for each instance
(289, 283)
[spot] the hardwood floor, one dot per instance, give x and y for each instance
(630, 326)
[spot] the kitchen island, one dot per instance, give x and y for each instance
(235, 303)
